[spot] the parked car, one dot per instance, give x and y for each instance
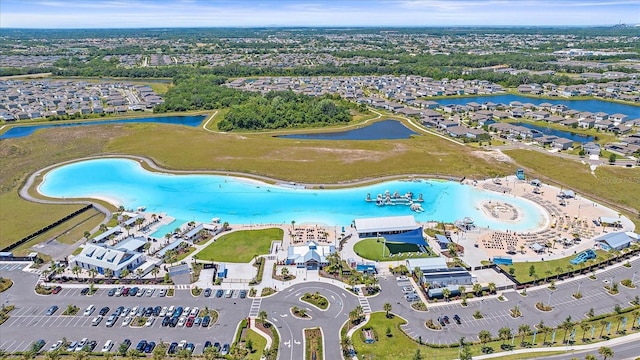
(166, 320)
(197, 321)
(243, 294)
(148, 311)
(104, 311)
(189, 322)
(207, 344)
(52, 310)
(163, 312)
(111, 320)
(217, 346)
(228, 293)
(89, 310)
(37, 345)
(141, 345)
(141, 311)
(207, 292)
(133, 311)
(112, 292)
(81, 344)
(119, 310)
(178, 311)
(56, 289)
(182, 321)
(219, 293)
(119, 291)
(124, 346)
(149, 348)
(72, 346)
(84, 291)
(56, 345)
(225, 350)
(150, 321)
(90, 346)
(127, 321)
(173, 322)
(125, 291)
(149, 292)
(205, 321)
(162, 293)
(457, 319)
(107, 346)
(133, 291)
(173, 348)
(96, 321)
(140, 292)
(190, 347)
(182, 344)
(156, 311)
(194, 311)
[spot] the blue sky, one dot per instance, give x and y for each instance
(248, 13)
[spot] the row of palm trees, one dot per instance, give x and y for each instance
(462, 290)
(92, 272)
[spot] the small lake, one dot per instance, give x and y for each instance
(559, 133)
(26, 130)
(593, 106)
(381, 130)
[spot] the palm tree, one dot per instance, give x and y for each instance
(620, 318)
(462, 290)
(86, 235)
(584, 327)
(590, 357)
(635, 315)
(606, 352)
(76, 271)
(523, 330)
(262, 316)
(504, 333)
(139, 222)
(92, 273)
(446, 293)
(477, 288)
(603, 324)
(211, 353)
(387, 307)
(492, 287)
(559, 271)
(284, 272)
(139, 272)
(484, 336)
(302, 312)
(124, 273)
(108, 273)
(566, 325)
(345, 344)
(128, 228)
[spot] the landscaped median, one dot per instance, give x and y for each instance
(313, 344)
(383, 338)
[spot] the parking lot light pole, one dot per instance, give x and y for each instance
(481, 302)
(579, 285)
(633, 278)
(549, 300)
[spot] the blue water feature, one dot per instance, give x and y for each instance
(167, 228)
(26, 130)
(381, 130)
(244, 201)
(559, 133)
(593, 106)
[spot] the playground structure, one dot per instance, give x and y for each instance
(583, 256)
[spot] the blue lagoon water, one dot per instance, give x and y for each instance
(26, 130)
(381, 130)
(243, 201)
(593, 106)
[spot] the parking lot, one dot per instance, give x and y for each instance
(28, 322)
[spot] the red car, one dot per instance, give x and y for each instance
(125, 291)
(189, 322)
(56, 289)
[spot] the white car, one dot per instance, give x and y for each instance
(186, 311)
(126, 311)
(150, 321)
(133, 311)
(182, 344)
(149, 292)
(56, 346)
(194, 311)
(81, 344)
(107, 346)
(89, 310)
(126, 321)
(171, 310)
(140, 293)
(119, 291)
(96, 320)
(163, 312)
(181, 321)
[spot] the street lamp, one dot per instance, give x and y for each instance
(579, 285)
(481, 302)
(549, 300)
(633, 278)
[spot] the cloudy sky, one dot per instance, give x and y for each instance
(249, 13)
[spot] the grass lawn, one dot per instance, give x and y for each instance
(399, 346)
(5, 284)
(313, 344)
(20, 218)
(258, 343)
(541, 267)
(241, 246)
(72, 230)
(371, 249)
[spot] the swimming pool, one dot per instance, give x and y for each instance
(244, 201)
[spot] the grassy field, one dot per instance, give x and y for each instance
(258, 343)
(241, 246)
(371, 249)
(544, 268)
(399, 346)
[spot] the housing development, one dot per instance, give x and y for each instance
(320, 193)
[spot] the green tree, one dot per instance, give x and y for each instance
(606, 352)
(504, 333)
(284, 272)
(387, 308)
(523, 330)
(532, 270)
(612, 158)
(417, 355)
(76, 271)
(446, 293)
(262, 316)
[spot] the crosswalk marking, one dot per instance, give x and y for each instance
(255, 307)
(364, 302)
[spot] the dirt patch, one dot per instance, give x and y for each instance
(346, 156)
(492, 155)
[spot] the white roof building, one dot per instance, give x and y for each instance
(310, 255)
(102, 257)
(382, 225)
(426, 264)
